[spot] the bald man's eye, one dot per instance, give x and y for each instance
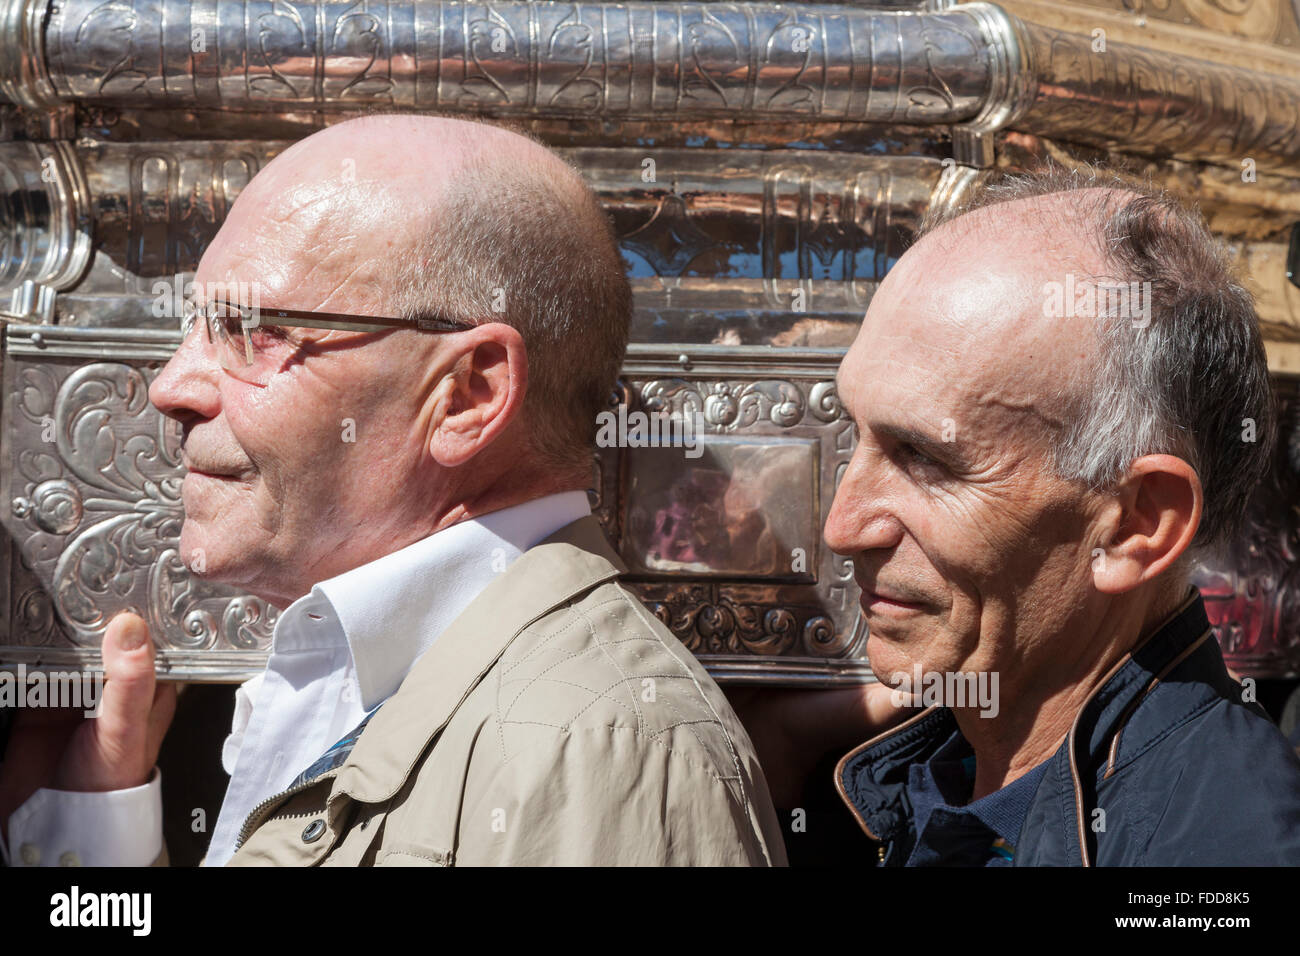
(266, 336)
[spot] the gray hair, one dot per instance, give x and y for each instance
(532, 249)
(1193, 383)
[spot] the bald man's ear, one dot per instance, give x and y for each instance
(1158, 509)
(480, 393)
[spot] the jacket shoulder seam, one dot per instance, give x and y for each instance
(569, 731)
(639, 610)
(580, 609)
(1178, 722)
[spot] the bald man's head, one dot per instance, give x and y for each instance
(412, 216)
(518, 237)
(311, 450)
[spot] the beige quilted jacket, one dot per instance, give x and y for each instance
(557, 721)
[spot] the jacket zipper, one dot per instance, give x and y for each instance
(839, 767)
(259, 812)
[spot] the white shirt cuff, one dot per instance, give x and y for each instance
(72, 828)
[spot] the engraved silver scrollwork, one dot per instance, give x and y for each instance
(95, 511)
(974, 66)
(606, 59)
(796, 146)
(730, 406)
(1208, 110)
(764, 461)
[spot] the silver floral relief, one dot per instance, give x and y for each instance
(725, 545)
(736, 405)
(94, 514)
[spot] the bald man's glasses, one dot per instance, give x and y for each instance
(251, 344)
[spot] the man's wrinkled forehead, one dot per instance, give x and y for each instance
(309, 250)
(928, 379)
(956, 331)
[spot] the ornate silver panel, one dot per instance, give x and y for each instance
(726, 547)
(93, 512)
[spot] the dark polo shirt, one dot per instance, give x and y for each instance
(951, 830)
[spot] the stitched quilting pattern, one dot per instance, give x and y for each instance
(606, 662)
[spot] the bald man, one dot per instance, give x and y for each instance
(386, 435)
(1062, 400)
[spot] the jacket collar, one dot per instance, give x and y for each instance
(1112, 708)
(568, 563)
(390, 614)
(872, 778)
(1112, 725)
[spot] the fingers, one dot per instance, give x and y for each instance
(160, 718)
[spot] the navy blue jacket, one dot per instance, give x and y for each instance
(1165, 765)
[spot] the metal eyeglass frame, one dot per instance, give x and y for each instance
(342, 321)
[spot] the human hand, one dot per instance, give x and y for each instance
(62, 749)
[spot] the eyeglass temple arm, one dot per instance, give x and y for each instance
(318, 320)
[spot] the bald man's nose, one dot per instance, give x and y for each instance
(186, 387)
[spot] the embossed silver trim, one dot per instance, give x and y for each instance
(24, 77)
(585, 59)
(46, 224)
(63, 341)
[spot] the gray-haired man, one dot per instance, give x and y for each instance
(1061, 395)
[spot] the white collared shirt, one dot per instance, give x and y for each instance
(336, 654)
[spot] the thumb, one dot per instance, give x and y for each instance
(128, 670)
(114, 752)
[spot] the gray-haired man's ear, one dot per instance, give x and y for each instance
(1156, 513)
